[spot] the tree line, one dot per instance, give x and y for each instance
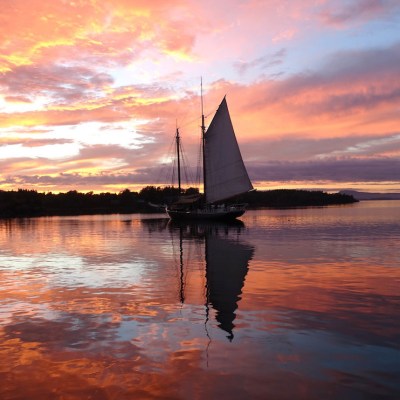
(29, 203)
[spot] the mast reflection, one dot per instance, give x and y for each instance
(226, 265)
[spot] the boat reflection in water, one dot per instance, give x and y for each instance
(226, 265)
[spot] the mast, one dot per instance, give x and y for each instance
(203, 140)
(177, 137)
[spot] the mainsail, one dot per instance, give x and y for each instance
(225, 173)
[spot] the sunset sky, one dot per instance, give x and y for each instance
(91, 91)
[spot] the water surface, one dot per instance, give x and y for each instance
(286, 304)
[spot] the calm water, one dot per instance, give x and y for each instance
(288, 304)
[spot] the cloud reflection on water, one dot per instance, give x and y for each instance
(153, 322)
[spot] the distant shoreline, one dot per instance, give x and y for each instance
(24, 203)
(371, 195)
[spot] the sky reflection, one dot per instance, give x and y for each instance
(118, 307)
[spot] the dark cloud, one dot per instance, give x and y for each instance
(59, 83)
(76, 179)
(333, 170)
(357, 10)
(263, 63)
(343, 103)
(356, 65)
(298, 149)
(339, 170)
(345, 82)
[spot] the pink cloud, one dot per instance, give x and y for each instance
(17, 99)
(70, 60)
(351, 88)
(32, 142)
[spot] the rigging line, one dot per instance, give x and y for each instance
(182, 118)
(170, 173)
(173, 173)
(189, 122)
(185, 172)
(163, 172)
(186, 166)
(197, 179)
(195, 119)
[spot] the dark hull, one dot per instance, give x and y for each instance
(208, 215)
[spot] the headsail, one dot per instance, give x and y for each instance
(226, 174)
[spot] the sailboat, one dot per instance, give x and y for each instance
(224, 173)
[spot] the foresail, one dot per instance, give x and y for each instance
(226, 174)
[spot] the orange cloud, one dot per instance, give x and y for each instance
(66, 65)
(60, 30)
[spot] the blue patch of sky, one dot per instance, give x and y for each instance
(314, 49)
(303, 54)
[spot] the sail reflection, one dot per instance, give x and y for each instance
(227, 260)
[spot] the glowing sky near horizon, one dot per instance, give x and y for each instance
(91, 91)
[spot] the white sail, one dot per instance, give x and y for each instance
(226, 175)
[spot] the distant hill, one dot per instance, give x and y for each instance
(371, 196)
